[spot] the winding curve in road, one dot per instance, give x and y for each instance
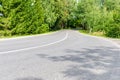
(64, 55)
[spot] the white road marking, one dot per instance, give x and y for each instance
(6, 52)
(23, 37)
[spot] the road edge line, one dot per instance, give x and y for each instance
(18, 50)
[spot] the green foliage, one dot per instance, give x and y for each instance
(5, 33)
(44, 28)
(98, 15)
(21, 17)
(113, 31)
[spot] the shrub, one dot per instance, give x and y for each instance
(42, 29)
(113, 31)
(5, 33)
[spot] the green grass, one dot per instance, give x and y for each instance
(99, 34)
(16, 36)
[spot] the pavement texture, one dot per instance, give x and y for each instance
(116, 41)
(64, 55)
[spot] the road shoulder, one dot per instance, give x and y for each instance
(116, 41)
(112, 40)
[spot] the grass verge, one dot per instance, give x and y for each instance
(26, 35)
(99, 34)
(94, 33)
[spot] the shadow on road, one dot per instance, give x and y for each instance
(29, 78)
(101, 63)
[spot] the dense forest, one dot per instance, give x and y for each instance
(24, 17)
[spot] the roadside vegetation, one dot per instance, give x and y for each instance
(26, 17)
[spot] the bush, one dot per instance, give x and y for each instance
(5, 33)
(19, 30)
(42, 29)
(113, 31)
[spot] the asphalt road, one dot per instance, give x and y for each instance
(64, 55)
